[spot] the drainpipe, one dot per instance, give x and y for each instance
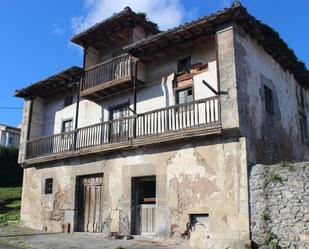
(135, 95)
(80, 85)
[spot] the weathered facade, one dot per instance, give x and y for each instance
(155, 134)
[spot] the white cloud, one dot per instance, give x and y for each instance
(167, 13)
(58, 30)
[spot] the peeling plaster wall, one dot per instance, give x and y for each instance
(38, 117)
(203, 176)
(23, 133)
(273, 137)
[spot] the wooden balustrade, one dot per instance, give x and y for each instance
(48, 145)
(114, 69)
(173, 119)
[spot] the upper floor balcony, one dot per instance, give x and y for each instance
(110, 77)
(197, 118)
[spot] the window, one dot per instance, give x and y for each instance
(49, 186)
(10, 140)
(269, 101)
(184, 64)
(68, 100)
(303, 128)
(67, 125)
(301, 97)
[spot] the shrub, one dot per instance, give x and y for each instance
(10, 171)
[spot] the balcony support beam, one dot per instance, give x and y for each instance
(135, 94)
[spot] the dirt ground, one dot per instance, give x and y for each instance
(15, 237)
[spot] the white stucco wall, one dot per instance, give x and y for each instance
(157, 93)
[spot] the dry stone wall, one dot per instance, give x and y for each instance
(279, 202)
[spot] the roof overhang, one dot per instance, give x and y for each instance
(7, 127)
(54, 84)
(125, 19)
(209, 25)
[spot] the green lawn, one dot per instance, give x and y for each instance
(9, 204)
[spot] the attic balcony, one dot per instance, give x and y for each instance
(110, 77)
(196, 119)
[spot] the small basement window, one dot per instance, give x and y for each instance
(49, 186)
(198, 219)
(269, 100)
(184, 64)
(68, 100)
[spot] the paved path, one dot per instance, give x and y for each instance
(8, 246)
(15, 237)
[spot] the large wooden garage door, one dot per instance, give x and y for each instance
(90, 203)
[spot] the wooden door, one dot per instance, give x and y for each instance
(120, 125)
(143, 205)
(90, 203)
(147, 219)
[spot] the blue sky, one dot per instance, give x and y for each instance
(35, 34)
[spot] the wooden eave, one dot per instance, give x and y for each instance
(110, 88)
(209, 25)
(108, 28)
(52, 85)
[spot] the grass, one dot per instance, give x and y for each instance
(275, 178)
(265, 216)
(9, 204)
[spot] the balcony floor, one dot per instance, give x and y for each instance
(167, 137)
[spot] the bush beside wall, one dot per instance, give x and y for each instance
(11, 172)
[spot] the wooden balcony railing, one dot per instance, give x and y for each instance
(114, 69)
(171, 120)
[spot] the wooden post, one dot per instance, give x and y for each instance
(218, 78)
(79, 88)
(135, 96)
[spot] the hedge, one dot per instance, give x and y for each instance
(11, 173)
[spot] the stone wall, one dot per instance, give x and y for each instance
(279, 201)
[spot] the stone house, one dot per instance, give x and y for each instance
(156, 134)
